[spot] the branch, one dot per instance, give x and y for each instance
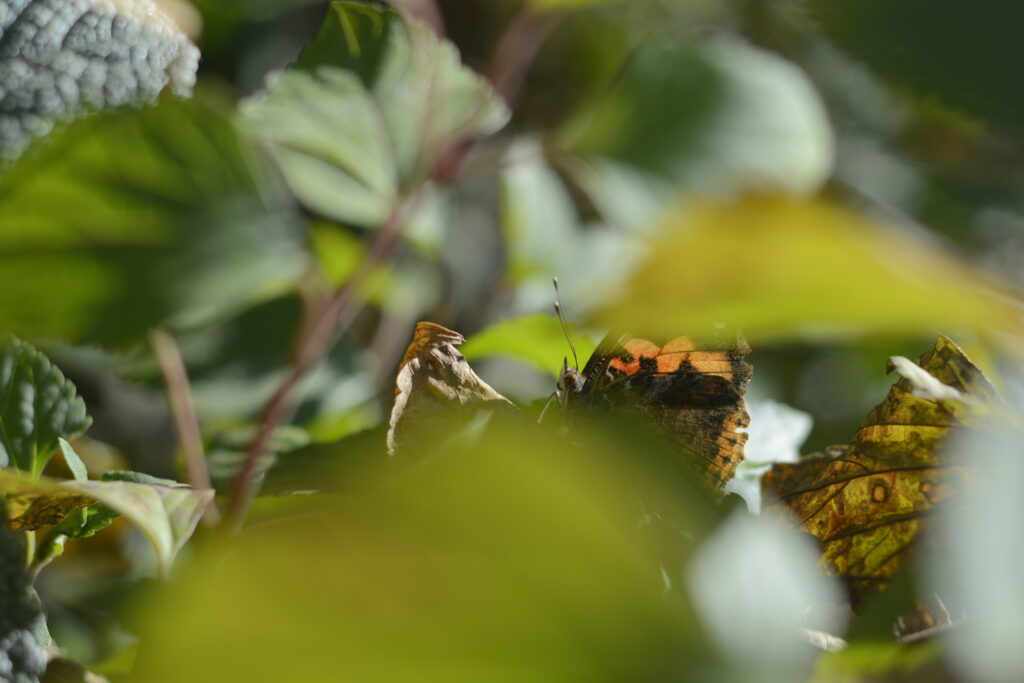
(329, 322)
(186, 424)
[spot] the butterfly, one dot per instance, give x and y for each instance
(687, 391)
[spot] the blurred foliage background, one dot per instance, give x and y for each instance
(839, 181)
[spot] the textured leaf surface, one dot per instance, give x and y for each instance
(137, 217)
(368, 109)
(23, 633)
(870, 501)
(62, 57)
(38, 406)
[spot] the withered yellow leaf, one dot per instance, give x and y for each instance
(435, 389)
(869, 502)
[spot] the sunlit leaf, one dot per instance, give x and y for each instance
(166, 513)
(132, 218)
(869, 502)
(38, 406)
(367, 111)
(537, 340)
(780, 268)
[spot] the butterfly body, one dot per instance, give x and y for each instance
(691, 392)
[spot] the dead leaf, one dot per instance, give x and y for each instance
(434, 387)
(869, 502)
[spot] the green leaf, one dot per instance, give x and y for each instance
(367, 112)
(74, 463)
(85, 522)
(355, 37)
(61, 59)
(140, 217)
(38, 405)
(23, 632)
(166, 514)
(537, 340)
(714, 115)
(778, 268)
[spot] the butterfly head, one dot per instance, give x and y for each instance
(570, 382)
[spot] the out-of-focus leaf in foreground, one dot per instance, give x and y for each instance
(780, 268)
(38, 406)
(166, 514)
(516, 559)
(63, 57)
(870, 502)
(537, 340)
(978, 565)
(370, 106)
(136, 217)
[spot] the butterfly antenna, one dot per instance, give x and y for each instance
(565, 327)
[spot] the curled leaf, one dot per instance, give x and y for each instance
(435, 385)
(869, 502)
(166, 513)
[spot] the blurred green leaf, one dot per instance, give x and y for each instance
(784, 269)
(907, 43)
(38, 406)
(351, 139)
(133, 218)
(355, 37)
(716, 115)
(536, 340)
(514, 560)
(880, 661)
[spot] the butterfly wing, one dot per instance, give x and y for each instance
(689, 391)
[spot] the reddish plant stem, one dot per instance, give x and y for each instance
(186, 424)
(331, 320)
(516, 49)
(518, 46)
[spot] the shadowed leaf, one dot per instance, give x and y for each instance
(869, 502)
(38, 405)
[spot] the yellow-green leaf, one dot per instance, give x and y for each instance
(779, 268)
(868, 502)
